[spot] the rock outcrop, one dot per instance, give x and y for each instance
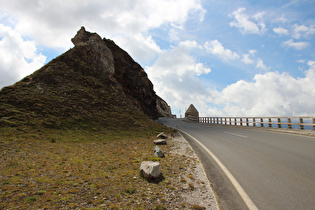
(118, 64)
(163, 108)
(192, 111)
(91, 83)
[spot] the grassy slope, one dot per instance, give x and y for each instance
(69, 138)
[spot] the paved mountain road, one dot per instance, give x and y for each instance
(276, 170)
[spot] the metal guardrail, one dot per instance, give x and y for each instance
(271, 122)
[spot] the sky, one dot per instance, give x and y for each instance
(227, 57)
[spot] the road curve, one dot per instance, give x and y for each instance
(276, 170)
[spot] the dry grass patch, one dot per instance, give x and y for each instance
(86, 170)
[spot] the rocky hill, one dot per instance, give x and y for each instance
(96, 83)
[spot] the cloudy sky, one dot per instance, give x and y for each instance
(227, 57)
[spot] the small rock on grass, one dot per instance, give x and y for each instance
(158, 152)
(160, 142)
(162, 135)
(150, 169)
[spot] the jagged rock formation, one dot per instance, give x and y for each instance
(92, 82)
(118, 64)
(192, 111)
(163, 108)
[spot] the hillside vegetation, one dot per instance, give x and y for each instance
(72, 134)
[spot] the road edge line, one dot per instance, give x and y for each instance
(250, 204)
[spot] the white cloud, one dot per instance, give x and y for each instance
(250, 59)
(270, 94)
(175, 76)
(215, 47)
(245, 24)
(301, 61)
(18, 57)
(281, 31)
(52, 24)
(261, 65)
(282, 19)
(296, 45)
(252, 52)
(141, 48)
(302, 31)
(246, 59)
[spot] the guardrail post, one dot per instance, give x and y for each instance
(279, 123)
(289, 123)
(301, 123)
(270, 125)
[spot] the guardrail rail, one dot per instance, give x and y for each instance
(271, 122)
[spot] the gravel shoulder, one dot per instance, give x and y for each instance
(194, 178)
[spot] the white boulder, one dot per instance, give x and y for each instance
(150, 169)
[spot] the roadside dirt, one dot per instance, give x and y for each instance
(196, 186)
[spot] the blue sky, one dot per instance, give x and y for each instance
(228, 58)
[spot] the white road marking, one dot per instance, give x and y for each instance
(250, 204)
(234, 134)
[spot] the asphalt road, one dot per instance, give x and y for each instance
(276, 170)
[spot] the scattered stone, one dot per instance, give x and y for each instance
(158, 152)
(162, 136)
(150, 169)
(160, 142)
